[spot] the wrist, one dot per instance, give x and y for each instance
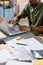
(18, 18)
(32, 29)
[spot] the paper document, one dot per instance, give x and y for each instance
(12, 42)
(2, 35)
(12, 62)
(17, 41)
(33, 44)
(30, 43)
(22, 54)
(4, 54)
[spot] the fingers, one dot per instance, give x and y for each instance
(22, 28)
(12, 22)
(9, 21)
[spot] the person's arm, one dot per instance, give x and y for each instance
(28, 28)
(37, 29)
(23, 14)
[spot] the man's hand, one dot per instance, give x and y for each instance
(15, 21)
(12, 22)
(24, 28)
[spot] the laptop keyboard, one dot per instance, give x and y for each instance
(12, 30)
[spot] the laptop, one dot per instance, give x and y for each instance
(8, 30)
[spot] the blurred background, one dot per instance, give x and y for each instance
(10, 8)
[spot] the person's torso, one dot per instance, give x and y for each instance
(36, 15)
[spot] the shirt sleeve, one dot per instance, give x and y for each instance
(23, 13)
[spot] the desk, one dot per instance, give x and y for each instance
(40, 36)
(24, 35)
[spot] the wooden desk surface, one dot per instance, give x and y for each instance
(40, 36)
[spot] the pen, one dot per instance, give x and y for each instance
(24, 60)
(21, 44)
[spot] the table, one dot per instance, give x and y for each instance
(24, 35)
(40, 36)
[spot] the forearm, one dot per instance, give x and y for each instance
(18, 18)
(38, 29)
(22, 14)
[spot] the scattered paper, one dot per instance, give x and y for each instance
(12, 62)
(2, 61)
(18, 52)
(11, 42)
(2, 35)
(17, 41)
(33, 44)
(5, 54)
(22, 54)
